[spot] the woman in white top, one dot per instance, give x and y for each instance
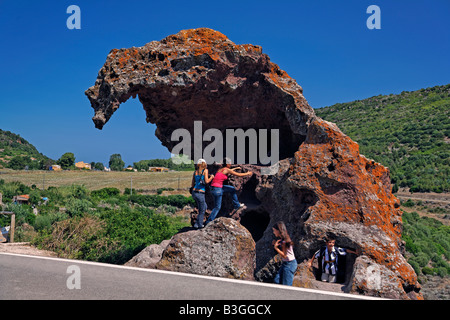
(284, 246)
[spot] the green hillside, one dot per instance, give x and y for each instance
(407, 132)
(17, 153)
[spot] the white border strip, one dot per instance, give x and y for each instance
(182, 274)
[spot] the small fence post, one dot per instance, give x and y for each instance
(12, 228)
(13, 224)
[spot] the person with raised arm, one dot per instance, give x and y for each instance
(218, 188)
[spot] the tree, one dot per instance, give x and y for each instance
(19, 162)
(116, 163)
(99, 166)
(67, 160)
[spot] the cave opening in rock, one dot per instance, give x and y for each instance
(343, 276)
(259, 146)
(248, 195)
(246, 112)
(347, 261)
(256, 221)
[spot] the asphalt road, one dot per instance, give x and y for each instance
(33, 277)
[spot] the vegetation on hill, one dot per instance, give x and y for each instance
(427, 243)
(407, 132)
(17, 153)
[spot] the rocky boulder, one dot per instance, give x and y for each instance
(224, 248)
(372, 279)
(149, 257)
(323, 186)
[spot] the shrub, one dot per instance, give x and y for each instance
(23, 213)
(46, 221)
(79, 192)
(178, 200)
(42, 222)
(422, 259)
(105, 193)
(160, 190)
(428, 271)
(35, 197)
(129, 191)
(77, 207)
(415, 266)
(409, 203)
(12, 189)
(410, 246)
(155, 201)
(77, 238)
(442, 271)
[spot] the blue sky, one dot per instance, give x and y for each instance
(324, 45)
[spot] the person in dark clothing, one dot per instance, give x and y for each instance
(331, 260)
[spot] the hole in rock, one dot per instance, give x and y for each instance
(246, 117)
(302, 200)
(346, 262)
(259, 145)
(248, 196)
(256, 222)
(343, 276)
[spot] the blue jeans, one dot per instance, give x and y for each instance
(286, 273)
(217, 194)
(199, 198)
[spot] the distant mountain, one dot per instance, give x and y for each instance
(17, 153)
(407, 132)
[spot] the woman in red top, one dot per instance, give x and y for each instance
(218, 188)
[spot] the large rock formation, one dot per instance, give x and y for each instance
(323, 185)
(200, 75)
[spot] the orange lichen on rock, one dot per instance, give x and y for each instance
(354, 199)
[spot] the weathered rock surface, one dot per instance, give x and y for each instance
(372, 279)
(149, 257)
(200, 75)
(224, 248)
(324, 186)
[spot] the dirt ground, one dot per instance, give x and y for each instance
(151, 181)
(25, 248)
(426, 204)
(442, 199)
